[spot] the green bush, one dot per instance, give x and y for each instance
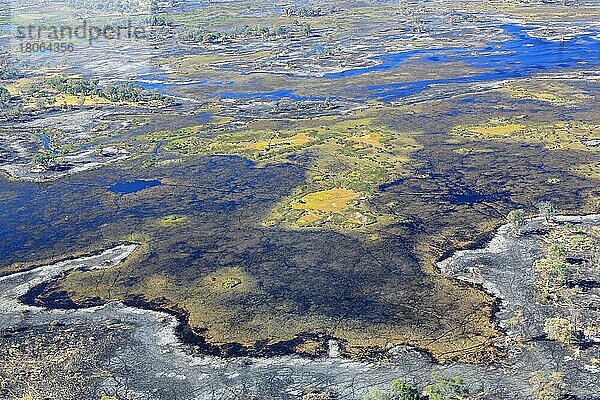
(442, 389)
(446, 389)
(403, 391)
(4, 98)
(375, 393)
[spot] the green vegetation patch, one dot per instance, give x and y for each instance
(347, 161)
(441, 389)
(122, 92)
(169, 221)
(558, 94)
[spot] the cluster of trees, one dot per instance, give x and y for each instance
(157, 20)
(90, 87)
(555, 271)
(46, 159)
(298, 11)
(5, 97)
(121, 6)
(257, 31)
(286, 105)
(74, 86)
(517, 218)
(7, 67)
(544, 386)
(127, 92)
(199, 35)
(556, 274)
(441, 389)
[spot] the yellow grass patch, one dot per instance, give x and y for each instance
(549, 92)
(591, 170)
(298, 139)
(371, 139)
(169, 221)
(332, 200)
(553, 135)
(323, 203)
(355, 154)
(71, 100)
(496, 130)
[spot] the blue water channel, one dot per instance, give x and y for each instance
(519, 57)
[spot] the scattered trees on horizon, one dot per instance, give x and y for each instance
(303, 11)
(200, 35)
(121, 6)
(257, 31)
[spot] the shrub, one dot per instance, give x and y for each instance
(4, 98)
(517, 219)
(375, 393)
(556, 272)
(403, 391)
(46, 159)
(547, 210)
(560, 329)
(446, 389)
(547, 387)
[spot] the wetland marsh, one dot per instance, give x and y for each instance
(292, 178)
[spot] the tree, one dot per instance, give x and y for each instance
(446, 389)
(547, 210)
(307, 29)
(403, 391)
(517, 219)
(555, 272)
(7, 66)
(5, 97)
(375, 393)
(46, 159)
